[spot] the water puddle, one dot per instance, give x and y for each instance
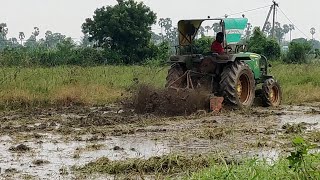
(299, 114)
(312, 122)
(61, 155)
(269, 156)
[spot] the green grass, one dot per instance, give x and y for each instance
(165, 165)
(257, 169)
(63, 85)
(205, 168)
(105, 84)
(300, 83)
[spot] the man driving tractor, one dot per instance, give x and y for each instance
(216, 47)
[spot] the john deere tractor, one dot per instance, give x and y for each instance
(236, 78)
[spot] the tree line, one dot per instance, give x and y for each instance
(121, 34)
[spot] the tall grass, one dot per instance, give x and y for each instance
(257, 169)
(104, 84)
(300, 82)
(65, 85)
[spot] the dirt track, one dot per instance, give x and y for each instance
(46, 143)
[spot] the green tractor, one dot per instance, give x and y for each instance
(235, 78)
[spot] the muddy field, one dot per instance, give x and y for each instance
(52, 143)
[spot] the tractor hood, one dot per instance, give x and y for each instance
(232, 27)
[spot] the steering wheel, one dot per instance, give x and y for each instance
(228, 48)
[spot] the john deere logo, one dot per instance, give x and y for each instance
(234, 31)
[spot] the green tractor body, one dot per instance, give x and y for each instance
(234, 78)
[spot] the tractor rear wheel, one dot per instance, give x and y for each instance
(175, 77)
(237, 84)
(271, 93)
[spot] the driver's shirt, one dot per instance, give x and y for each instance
(216, 47)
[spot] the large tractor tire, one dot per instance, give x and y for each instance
(238, 85)
(271, 93)
(175, 77)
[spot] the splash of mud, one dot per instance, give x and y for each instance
(169, 102)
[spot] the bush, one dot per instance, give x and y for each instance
(41, 56)
(202, 45)
(67, 53)
(161, 55)
(298, 52)
(260, 44)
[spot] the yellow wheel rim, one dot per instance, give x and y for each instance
(239, 89)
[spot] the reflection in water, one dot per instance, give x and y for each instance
(60, 154)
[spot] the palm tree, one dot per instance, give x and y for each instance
(36, 32)
(3, 30)
(285, 29)
(216, 27)
(312, 31)
(21, 36)
(248, 30)
(268, 28)
(208, 28)
(201, 31)
(291, 28)
(166, 24)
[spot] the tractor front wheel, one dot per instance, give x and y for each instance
(237, 84)
(175, 77)
(271, 93)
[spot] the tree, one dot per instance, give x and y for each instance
(21, 36)
(280, 32)
(291, 28)
(201, 31)
(36, 32)
(207, 28)
(127, 24)
(166, 24)
(286, 29)
(216, 27)
(260, 44)
(268, 28)
(85, 42)
(3, 30)
(53, 39)
(170, 33)
(13, 42)
(312, 31)
(248, 30)
(3, 35)
(298, 51)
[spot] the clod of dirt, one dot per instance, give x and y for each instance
(40, 162)
(294, 128)
(169, 164)
(37, 136)
(117, 148)
(11, 170)
(169, 102)
(19, 148)
(213, 133)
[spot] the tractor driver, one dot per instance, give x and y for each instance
(216, 47)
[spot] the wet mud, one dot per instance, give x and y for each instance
(169, 102)
(49, 143)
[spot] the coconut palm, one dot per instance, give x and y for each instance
(216, 27)
(312, 31)
(208, 28)
(291, 28)
(36, 32)
(21, 36)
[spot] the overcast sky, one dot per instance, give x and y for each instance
(67, 16)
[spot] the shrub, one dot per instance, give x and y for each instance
(297, 53)
(202, 45)
(260, 44)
